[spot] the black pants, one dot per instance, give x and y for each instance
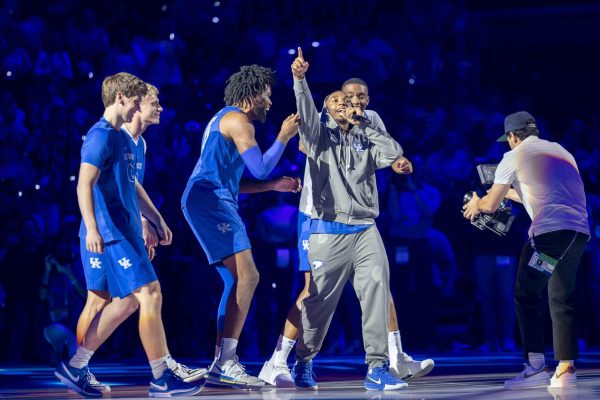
(561, 294)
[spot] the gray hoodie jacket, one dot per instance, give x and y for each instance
(342, 165)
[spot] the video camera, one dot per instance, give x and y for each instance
(499, 221)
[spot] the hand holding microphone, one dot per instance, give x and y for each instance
(355, 115)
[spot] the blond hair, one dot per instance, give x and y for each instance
(126, 83)
(152, 90)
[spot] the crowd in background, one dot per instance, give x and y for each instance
(439, 77)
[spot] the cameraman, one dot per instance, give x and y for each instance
(545, 178)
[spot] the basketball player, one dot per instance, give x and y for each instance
(210, 204)
(114, 257)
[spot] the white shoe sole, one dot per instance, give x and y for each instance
(424, 371)
(238, 385)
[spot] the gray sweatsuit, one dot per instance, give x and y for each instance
(342, 169)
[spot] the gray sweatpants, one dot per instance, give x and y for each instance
(335, 259)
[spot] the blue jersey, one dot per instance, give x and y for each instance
(115, 200)
(140, 155)
(220, 167)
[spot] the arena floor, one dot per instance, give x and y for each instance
(465, 377)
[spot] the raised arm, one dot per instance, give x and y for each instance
(309, 115)
(238, 127)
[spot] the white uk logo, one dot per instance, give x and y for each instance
(125, 263)
(224, 227)
(305, 245)
(317, 264)
(95, 262)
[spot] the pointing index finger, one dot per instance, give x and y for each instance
(300, 56)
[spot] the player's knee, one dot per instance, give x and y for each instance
(130, 307)
(154, 298)
(251, 279)
(94, 305)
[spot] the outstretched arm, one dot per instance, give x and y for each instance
(513, 195)
(486, 204)
(282, 184)
(238, 127)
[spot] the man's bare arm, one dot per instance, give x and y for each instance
(88, 176)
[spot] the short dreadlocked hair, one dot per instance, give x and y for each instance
(250, 81)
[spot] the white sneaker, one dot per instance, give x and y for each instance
(529, 378)
(567, 378)
(406, 368)
(276, 375)
(232, 373)
(186, 373)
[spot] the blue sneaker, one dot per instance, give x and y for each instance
(77, 379)
(303, 375)
(170, 385)
(379, 378)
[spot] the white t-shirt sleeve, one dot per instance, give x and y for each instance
(506, 172)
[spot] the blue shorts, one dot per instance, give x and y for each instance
(303, 241)
(220, 231)
(122, 268)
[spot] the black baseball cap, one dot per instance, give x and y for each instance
(516, 121)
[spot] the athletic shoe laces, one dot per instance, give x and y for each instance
(307, 373)
(181, 368)
(90, 377)
(236, 370)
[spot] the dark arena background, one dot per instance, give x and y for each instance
(442, 75)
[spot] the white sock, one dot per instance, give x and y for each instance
(536, 360)
(394, 347)
(159, 366)
(81, 358)
(282, 351)
(228, 349)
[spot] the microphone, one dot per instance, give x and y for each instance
(360, 118)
